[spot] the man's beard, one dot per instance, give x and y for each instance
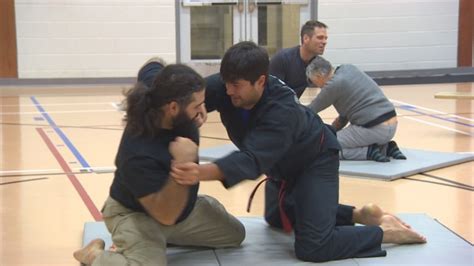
(184, 126)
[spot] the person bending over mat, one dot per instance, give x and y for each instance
(360, 101)
(279, 137)
(146, 209)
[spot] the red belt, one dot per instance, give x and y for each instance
(285, 221)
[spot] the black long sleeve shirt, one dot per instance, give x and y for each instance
(278, 136)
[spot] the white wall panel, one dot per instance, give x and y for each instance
(112, 38)
(95, 30)
(391, 34)
(96, 13)
(105, 65)
(385, 8)
(392, 40)
(392, 24)
(36, 46)
(86, 38)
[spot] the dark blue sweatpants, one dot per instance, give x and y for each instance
(323, 228)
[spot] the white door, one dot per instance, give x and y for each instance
(209, 27)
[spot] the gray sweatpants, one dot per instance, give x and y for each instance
(355, 140)
(140, 240)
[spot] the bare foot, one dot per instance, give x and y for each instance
(88, 253)
(396, 233)
(371, 214)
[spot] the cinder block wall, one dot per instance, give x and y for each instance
(89, 38)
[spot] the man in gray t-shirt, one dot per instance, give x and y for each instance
(360, 101)
(289, 64)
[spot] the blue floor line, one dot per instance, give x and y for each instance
(61, 134)
(415, 110)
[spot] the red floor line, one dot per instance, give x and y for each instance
(75, 182)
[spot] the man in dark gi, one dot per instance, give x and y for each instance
(285, 140)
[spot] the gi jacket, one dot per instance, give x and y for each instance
(278, 137)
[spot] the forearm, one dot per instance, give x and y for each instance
(317, 106)
(166, 205)
(210, 171)
(174, 196)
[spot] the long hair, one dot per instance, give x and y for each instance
(144, 103)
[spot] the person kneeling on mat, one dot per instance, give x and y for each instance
(360, 101)
(278, 136)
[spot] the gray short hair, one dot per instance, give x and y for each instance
(318, 66)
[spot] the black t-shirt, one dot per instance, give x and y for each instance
(143, 166)
(288, 66)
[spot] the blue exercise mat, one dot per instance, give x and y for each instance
(266, 246)
(418, 161)
(213, 153)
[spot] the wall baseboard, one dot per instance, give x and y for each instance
(394, 77)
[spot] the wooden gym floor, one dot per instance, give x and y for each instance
(52, 136)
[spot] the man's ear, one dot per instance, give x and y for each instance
(306, 38)
(173, 108)
(261, 81)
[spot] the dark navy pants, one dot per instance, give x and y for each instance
(323, 228)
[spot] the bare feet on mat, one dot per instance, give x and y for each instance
(396, 233)
(87, 254)
(371, 214)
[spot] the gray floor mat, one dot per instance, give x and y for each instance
(418, 161)
(266, 246)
